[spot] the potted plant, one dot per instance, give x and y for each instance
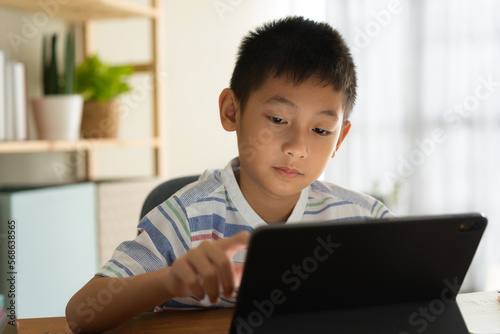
(58, 113)
(101, 85)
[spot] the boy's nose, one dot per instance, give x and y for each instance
(295, 146)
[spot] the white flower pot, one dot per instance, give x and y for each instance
(58, 117)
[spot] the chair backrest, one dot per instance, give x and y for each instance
(164, 190)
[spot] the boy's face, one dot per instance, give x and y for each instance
(286, 135)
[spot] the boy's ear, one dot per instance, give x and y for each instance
(345, 130)
(228, 108)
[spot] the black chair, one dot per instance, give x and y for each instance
(164, 190)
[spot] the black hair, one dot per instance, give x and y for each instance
(296, 48)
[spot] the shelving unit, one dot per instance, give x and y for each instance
(86, 12)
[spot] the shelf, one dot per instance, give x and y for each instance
(79, 145)
(83, 10)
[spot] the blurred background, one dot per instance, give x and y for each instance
(426, 125)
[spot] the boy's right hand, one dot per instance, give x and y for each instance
(208, 269)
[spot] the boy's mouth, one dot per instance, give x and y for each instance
(287, 172)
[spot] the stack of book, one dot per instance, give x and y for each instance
(13, 99)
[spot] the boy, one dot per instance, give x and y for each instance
(291, 92)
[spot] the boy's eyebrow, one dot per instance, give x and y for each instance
(329, 112)
(277, 99)
(281, 100)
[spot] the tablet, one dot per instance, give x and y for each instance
(394, 275)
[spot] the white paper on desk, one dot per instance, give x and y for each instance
(481, 311)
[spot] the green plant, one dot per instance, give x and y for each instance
(52, 82)
(99, 82)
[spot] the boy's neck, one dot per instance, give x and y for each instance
(272, 210)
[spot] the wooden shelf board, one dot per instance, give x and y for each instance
(149, 67)
(83, 10)
(79, 145)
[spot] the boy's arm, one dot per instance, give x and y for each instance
(104, 302)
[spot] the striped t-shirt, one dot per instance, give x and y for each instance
(214, 207)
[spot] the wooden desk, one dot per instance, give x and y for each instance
(204, 321)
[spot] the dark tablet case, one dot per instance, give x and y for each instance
(397, 275)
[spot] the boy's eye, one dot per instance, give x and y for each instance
(277, 120)
(321, 132)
